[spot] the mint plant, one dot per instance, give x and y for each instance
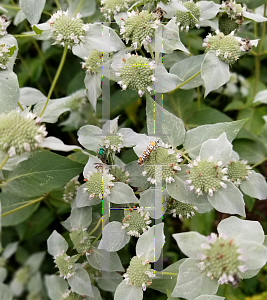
(129, 132)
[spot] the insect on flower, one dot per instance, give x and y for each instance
(159, 13)
(152, 145)
(102, 155)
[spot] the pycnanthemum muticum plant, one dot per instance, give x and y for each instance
(66, 30)
(19, 134)
(70, 190)
(238, 171)
(65, 265)
(182, 210)
(93, 61)
(81, 240)
(112, 7)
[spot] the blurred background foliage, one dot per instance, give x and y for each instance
(36, 66)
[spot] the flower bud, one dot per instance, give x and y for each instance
(70, 190)
(238, 171)
(182, 210)
(184, 19)
(81, 240)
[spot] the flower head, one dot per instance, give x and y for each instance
(186, 20)
(238, 171)
(139, 273)
(5, 53)
(120, 174)
(93, 61)
(113, 142)
(139, 28)
(137, 73)
(182, 210)
(206, 176)
(70, 190)
(19, 134)
(65, 265)
(98, 183)
(81, 240)
(112, 7)
(66, 30)
(3, 25)
(136, 221)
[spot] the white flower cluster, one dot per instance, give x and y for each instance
(113, 142)
(3, 25)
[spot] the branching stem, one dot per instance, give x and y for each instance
(4, 161)
(189, 79)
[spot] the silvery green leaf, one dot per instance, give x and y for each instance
(32, 9)
(190, 243)
(5, 293)
(129, 137)
(255, 253)
(109, 281)
(17, 287)
(179, 191)
(56, 144)
(192, 282)
(66, 224)
(172, 7)
(82, 198)
(209, 297)
(122, 193)
(128, 292)
(208, 9)
(187, 68)
(96, 292)
(234, 156)
(255, 186)
(3, 9)
(228, 200)
(101, 259)
(111, 126)
(35, 284)
(54, 109)
(220, 149)
(56, 244)
(3, 274)
(250, 273)
(155, 201)
(34, 261)
(13, 161)
(90, 166)
(20, 17)
(101, 38)
(56, 286)
(172, 129)
(114, 237)
(10, 249)
(170, 59)
(254, 17)
(135, 172)
(194, 138)
(90, 137)
(81, 217)
(261, 96)
(214, 72)
(92, 83)
(87, 8)
(30, 96)
(244, 230)
(214, 24)
(165, 82)
(9, 95)
(80, 283)
(150, 243)
(9, 39)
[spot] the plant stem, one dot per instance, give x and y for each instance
(97, 237)
(24, 35)
(20, 106)
(4, 161)
(186, 157)
(57, 4)
(97, 225)
(78, 7)
(260, 162)
(151, 52)
(166, 273)
(185, 82)
(148, 10)
(63, 58)
(23, 206)
(198, 98)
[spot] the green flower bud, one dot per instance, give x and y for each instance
(183, 210)
(65, 264)
(3, 25)
(69, 295)
(70, 190)
(120, 174)
(227, 25)
(139, 273)
(136, 222)
(238, 171)
(22, 275)
(19, 134)
(98, 183)
(94, 60)
(139, 28)
(227, 47)
(206, 176)
(112, 7)
(34, 296)
(184, 19)
(81, 240)
(137, 73)
(162, 161)
(66, 30)
(222, 259)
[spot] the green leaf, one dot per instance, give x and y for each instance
(87, 8)
(249, 150)
(56, 286)
(56, 244)
(214, 72)
(32, 9)
(128, 292)
(42, 172)
(5, 293)
(172, 129)
(261, 96)
(122, 193)
(255, 186)
(9, 95)
(80, 283)
(37, 30)
(195, 137)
